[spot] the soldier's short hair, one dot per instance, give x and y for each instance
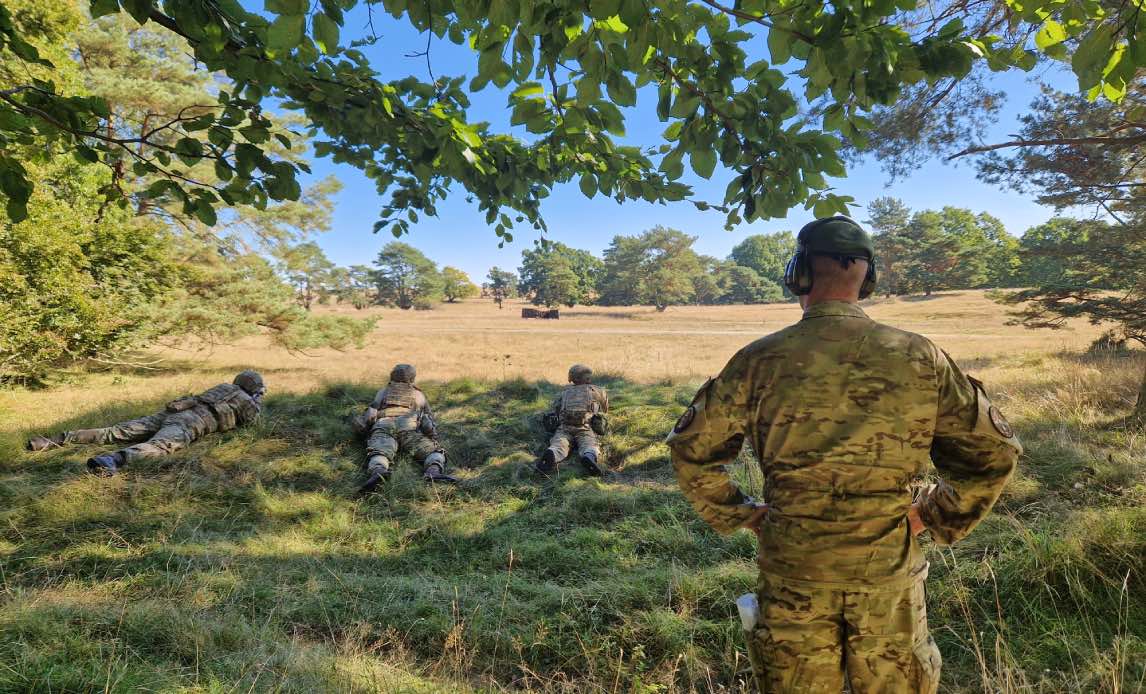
(403, 373)
(250, 381)
(579, 374)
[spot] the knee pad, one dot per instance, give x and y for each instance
(378, 461)
(549, 456)
(436, 458)
(589, 456)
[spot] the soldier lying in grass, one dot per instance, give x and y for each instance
(400, 419)
(222, 408)
(577, 419)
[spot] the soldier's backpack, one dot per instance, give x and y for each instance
(230, 404)
(578, 404)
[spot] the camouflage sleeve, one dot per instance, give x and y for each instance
(975, 451)
(707, 437)
(182, 404)
(604, 401)
(249, 411)
(376, 404)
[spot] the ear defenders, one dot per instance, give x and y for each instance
(798, 272)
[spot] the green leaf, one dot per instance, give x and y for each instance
(1091, 56)
(588, 185)
(703, 162)
(824, 208)
(503, 13)
(951, 29)
(17, 210)
(100, 8)
(1051, 33)
(325, 33)
(287, 6)
(140, 10)
(87, 154)
(621, 90)
(603, 9)
(206, 213)
(664, 101)
(286, 32)
(529, 90)
(779, 45)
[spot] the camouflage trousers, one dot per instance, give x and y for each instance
(387, 442)
(566, 438)
(811, 639)
(154, 436)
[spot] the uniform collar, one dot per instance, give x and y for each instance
(834, 308)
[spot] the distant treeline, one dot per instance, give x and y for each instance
(917, 253)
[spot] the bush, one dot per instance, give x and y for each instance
(75, 278)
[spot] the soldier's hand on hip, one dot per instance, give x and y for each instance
(757, 517)
(914, 520)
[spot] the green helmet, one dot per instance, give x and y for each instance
(579, 374)
(403, 373)
(250, 381)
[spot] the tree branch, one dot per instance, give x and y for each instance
(758, 20)
(1055, 142)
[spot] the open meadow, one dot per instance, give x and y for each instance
(243, 563)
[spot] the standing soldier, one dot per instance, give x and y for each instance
(400, 419)
(222, 408)
(577, 419)
(843, 414)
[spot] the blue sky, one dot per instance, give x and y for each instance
(460, 237)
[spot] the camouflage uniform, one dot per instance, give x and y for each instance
(844, 414)
(400, 419)
(574, 407)
(222, 408)
(580, 407)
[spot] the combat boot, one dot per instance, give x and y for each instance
(435, 473)
(379, 469)
(106, 464)
(546, 465)
(43, 443)
(589, 462)
(372, 483)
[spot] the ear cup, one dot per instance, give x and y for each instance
(798, 274)
(869, 280)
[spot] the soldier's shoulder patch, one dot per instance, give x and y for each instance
(1000, 422)
(685, 420)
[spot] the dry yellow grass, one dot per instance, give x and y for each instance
(474, 339)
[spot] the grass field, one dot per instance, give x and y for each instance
(242, 564)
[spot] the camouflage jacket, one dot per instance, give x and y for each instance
(404, 405)
(577, 403)
(844, 415)
(227, 404)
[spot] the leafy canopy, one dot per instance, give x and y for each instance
(568, 68)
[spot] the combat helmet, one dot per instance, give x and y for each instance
(403, 373)
(250, 381)
(580, 374)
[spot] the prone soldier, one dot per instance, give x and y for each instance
(222, 408)
(576, 420)
(843, 414)
(400, 419)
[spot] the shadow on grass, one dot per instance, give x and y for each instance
(245, 554)
(504, 578)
